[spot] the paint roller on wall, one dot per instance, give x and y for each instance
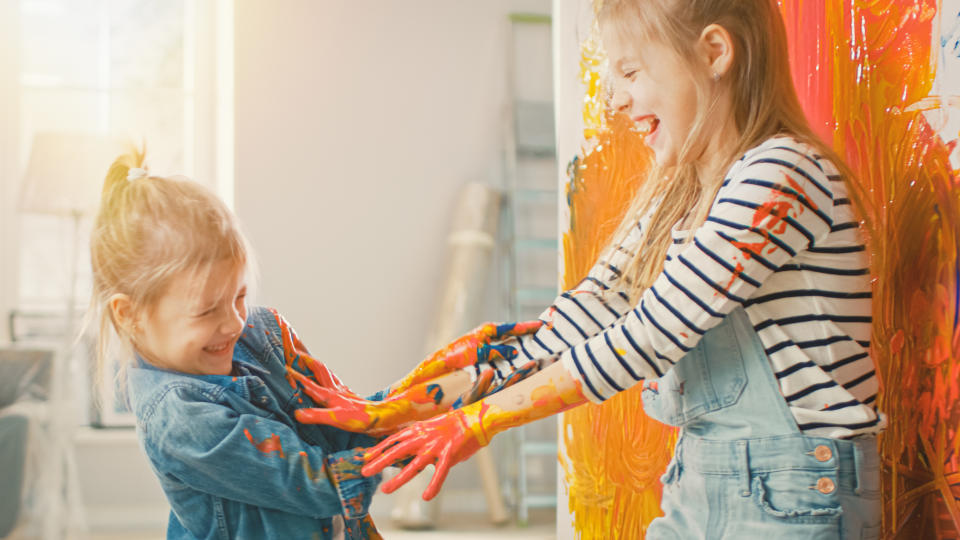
(471, 242)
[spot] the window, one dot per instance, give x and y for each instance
(153, 71)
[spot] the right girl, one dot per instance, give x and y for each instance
(737, 291)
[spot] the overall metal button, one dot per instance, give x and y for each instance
(822, 453)
(825, 485)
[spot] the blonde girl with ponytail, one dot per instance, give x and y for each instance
(210, 379)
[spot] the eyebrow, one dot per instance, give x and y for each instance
(205, 306)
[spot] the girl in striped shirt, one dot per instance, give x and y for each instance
(737, 291)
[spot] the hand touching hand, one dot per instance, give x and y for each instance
(453, 437)
(352, 413)
(420, 402)
(444, 441)
(294, 351)
(480, 345)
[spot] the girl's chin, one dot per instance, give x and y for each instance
(663, 158)
(661, 151)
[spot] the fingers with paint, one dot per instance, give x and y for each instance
(444, 441)
(450, 438)
(479, 345)
(294, 351)
(359, 415)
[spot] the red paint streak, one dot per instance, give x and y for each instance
(771, 215)
(268, 445)
(776, 209)
(736, 273)
(799, 189)
(750, 248)
(811, 60)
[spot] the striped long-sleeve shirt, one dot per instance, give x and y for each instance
(781, 240)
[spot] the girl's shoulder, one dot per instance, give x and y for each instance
(160, 397)
(788, 161)
(786, 151)
(261, 332)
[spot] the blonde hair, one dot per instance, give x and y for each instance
(764, 104)
(149, 230)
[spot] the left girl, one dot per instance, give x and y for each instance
(208, 375)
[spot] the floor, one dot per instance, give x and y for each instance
(472, 526)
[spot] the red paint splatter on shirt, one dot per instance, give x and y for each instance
(268, 445)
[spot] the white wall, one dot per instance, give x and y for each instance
(357, 122)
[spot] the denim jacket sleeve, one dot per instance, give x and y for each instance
(288, 346)
(256, 460)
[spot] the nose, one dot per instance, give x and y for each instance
(620, 101)
(233, 322)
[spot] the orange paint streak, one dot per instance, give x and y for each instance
(268, 445)
(614, 454)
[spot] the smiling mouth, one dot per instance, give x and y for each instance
(218, 348)
(646, 125)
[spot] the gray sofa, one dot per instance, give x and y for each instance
(24, 377)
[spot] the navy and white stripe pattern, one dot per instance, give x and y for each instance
(781, 240)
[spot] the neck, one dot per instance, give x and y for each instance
(716, 157)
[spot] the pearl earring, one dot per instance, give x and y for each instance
(716, 76)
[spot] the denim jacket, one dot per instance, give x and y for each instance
(233, 461)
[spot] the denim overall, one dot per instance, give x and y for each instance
(741, 468)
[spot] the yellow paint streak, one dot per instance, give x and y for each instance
(615, 454)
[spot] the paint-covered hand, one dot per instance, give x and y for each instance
(352, 413)
(294, 351)
(488, 383)
(443, 441)
(480, 345)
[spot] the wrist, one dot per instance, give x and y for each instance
(484, 421)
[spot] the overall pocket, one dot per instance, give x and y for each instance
(797, 496)
(708, 378)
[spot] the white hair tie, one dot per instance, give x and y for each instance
(136, 173)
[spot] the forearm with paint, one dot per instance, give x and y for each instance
(419, 402)
(453, 437)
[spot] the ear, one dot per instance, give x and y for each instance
(122, 313)
(717, 46)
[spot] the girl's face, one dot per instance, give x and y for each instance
(193, 327)
(655, 91)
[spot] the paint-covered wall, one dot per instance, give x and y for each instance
(356, 124)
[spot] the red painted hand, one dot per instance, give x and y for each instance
(480, 345)
(294, 351)
(444, 441)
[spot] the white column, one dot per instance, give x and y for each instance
(10, 170)
(571, 24)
